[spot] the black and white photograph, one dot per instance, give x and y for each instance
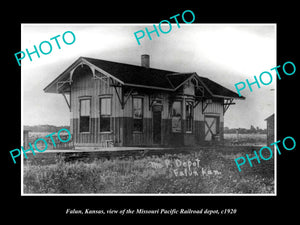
(146, 110)
(149, 109)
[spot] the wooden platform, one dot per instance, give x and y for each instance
(110, 149)
(89, 154)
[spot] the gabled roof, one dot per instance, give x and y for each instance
(217, 90)
(139, 76)
(132, 74)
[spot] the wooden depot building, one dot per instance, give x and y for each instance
(129, 105)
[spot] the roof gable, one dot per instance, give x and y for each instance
(178, 79)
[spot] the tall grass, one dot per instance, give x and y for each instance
(260, 139)
(147, 175)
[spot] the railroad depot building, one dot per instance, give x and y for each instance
(129, 105)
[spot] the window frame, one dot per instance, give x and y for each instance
(190, 104)
(105, 116)
(142, 118)
(85, 98)
(181, 115)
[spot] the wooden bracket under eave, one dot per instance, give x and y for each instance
(68, 103)
(226, 104)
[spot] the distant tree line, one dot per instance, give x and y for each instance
(45, 128)
(252, 130)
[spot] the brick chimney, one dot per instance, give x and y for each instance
(145, 60)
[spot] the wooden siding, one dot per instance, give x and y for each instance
(122, 134)
(270, 130)
(215, 108)
(85, 85)
(147, 112)
(95, 136)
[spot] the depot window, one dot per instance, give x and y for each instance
(176, 115)
(137, 115)
(189, 116)
(85, 114)
(105, 114)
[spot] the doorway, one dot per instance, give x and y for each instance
(211, 127)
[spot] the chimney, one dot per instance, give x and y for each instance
(145, 60)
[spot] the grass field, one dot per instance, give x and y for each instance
(211, 171)
(33, 136)
(257, 139)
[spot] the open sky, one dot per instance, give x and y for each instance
(225, 53)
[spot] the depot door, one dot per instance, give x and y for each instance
(211, 127)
